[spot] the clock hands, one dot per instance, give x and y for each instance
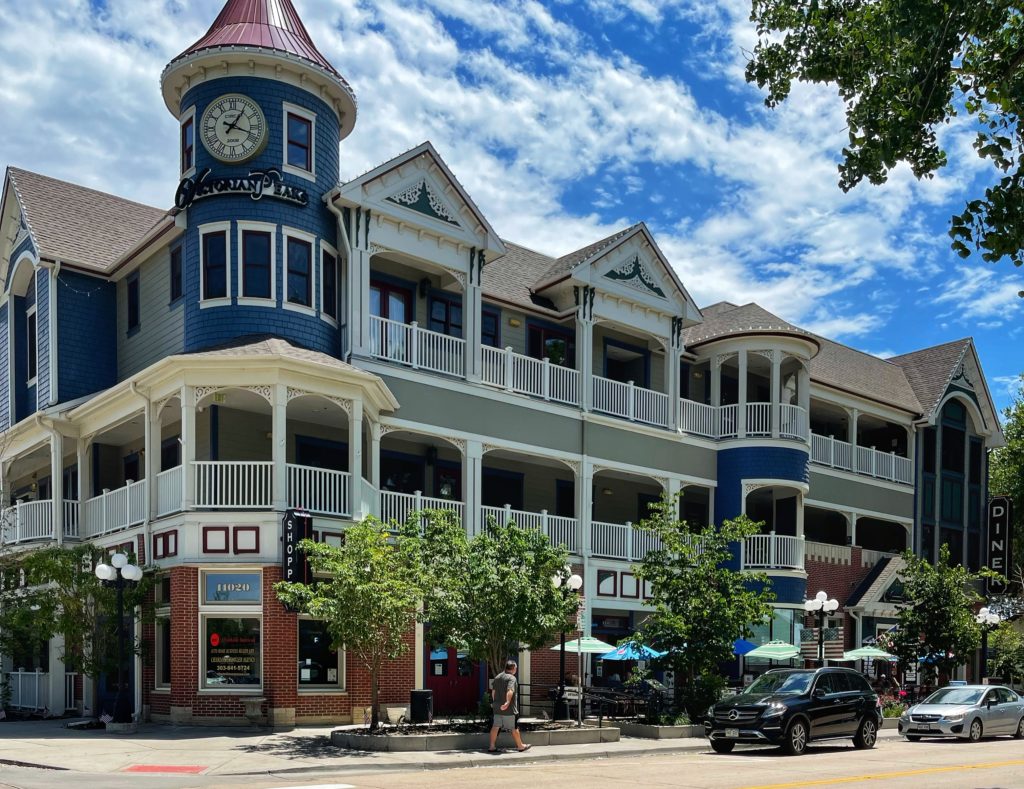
(234, 123)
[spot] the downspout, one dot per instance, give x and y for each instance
(343, 232)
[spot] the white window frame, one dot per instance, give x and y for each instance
(30, 312)
(215, 227)
(261, 227)
(330, 250)
(229, 611)
(163, 612)
(189, 115)
(293, 109)
(338, 688)
(309, 238)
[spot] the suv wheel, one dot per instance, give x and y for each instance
(1019, 733)
(796, 738)
(722, 746)
(975, 732)
(867, 734)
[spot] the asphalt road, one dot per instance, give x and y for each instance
(937, 764)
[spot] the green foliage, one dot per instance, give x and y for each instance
(905, 68)
(893, 708)
(700, 605)
(1006, 474)
(1006, 652)
(492, 593)
(366, 592)
(62, 596)
(938, 617)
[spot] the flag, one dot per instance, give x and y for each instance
(104, 718)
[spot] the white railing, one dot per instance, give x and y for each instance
(698, 419)
(28, 520)
(69, 691)
(830, 451)
(399, 506)
(792, 422)
(233, 484)
(759, 419)
(826, 552)
(727, 421)
(559, 529)
(71, 518)
(319, 490)
(643, 542)
(29, 690)
(869, 558)
(630, 401)
(407, 343)
(610, 540)
(525, 375)
(115, 509)
(168, 491)
(774, 551)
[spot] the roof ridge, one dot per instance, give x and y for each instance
(528, 249)
(962, 341)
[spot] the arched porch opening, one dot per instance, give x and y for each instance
(779, 508)
(319, 455)
(419, 471)
(875, 534)
(827, 526)
(620, 500)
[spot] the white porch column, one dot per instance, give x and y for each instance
(716, 380)
(741, 409)
(279, 448)
(799, 514)
(56, 676)
(358, 302)
(804, 394)
(585, 504)
(472, 317)
(154, 443)
(776, 391)
(585, 360)
(851, 527)
(188, 447)
(57, 484)
(360, 508)
(472, 487)
(375, 455)
(672, 383)
(83, 467)
(672, 488)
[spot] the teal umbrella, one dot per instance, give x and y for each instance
(774, 650)
(586, 646)
(868, 652)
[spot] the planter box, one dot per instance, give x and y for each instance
(343, 738)
(890, 723)
(650, 732)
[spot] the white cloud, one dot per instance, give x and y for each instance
(976, 295)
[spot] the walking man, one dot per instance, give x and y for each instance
(505, 706)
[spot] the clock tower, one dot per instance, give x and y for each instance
(261, 114)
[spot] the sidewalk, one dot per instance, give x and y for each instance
(250, 751)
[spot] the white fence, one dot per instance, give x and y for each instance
(793, 421)
(630, 401)
(832, 452)
(774, 551)
(535, 377)
(698, 419)
(30, 690)
(115, 509)
(168, 491)
(319, 490)
(407, 343)
(559, 530)
(71, 524)
(233, 484)
(28, 520)
(621, 541)
(69, 691)
(399, 506)
(759, 419)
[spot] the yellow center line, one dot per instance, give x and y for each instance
(882, 776)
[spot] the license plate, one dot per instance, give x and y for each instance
(734, 733)
(924, 726)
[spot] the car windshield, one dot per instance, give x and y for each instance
(955, 696)
(797, 682)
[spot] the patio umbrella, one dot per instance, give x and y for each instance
(742, 647)
(586, 645)
(774, 650)
(868, 652)
(632, 651)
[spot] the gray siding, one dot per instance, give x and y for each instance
(657, 356)
(860, 495)
(242, 435)
(514, 336)
(161, 329)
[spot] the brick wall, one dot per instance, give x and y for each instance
(839, 580)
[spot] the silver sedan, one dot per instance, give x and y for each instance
(966, 711)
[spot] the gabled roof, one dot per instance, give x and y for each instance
(567, 263)
(870, 591)
(81, 226)
(510, 277)
(929, 370)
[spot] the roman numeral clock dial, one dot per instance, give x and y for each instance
(234, 129)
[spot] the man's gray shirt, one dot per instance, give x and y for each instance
(500, 686)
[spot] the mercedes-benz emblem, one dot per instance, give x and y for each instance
(734, 714)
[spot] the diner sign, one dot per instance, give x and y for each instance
(257, 184)
(1000, 516)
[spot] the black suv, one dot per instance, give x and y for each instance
(791, 707)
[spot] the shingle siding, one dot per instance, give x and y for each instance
(5, 377)
(161, 330)
(86, 322)
(42, 338)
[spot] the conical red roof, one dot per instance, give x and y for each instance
(270, 24)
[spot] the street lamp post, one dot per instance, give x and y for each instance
(119, 573)
(569, 583)
(821, 605)
(988, 619)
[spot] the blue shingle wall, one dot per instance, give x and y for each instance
(787, 588)
(86, 340)
(5, 381)
(43, 338)
(22, 393)
(215, 325)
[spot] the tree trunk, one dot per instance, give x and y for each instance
(374, 696)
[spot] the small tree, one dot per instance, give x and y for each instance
(938, 618)
(701, 606)
(493, 592)
(1006, 648)
(366, 592)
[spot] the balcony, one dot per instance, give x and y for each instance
(30, 521)
(420, 349)
(399, 506)
(621, 541)
(772, 552)
(514, 372)
(628, 401)
(832, 452)
(558, 529)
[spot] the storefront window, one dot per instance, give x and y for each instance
(163, 650)
(319, 665)
(232, 652)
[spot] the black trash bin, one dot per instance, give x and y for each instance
(421, 706)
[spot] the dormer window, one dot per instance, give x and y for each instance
(299, 142)
(188, 141)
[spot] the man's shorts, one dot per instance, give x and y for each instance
(506, 722)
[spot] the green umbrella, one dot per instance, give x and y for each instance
(868, 652)
(586, 646)
(774, 650)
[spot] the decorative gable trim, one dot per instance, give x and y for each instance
(634, 274)
(420, 197)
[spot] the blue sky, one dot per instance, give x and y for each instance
(565, 120)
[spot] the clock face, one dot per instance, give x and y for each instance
(233, 128)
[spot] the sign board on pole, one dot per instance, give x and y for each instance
(297, 525)
(1000, 518)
